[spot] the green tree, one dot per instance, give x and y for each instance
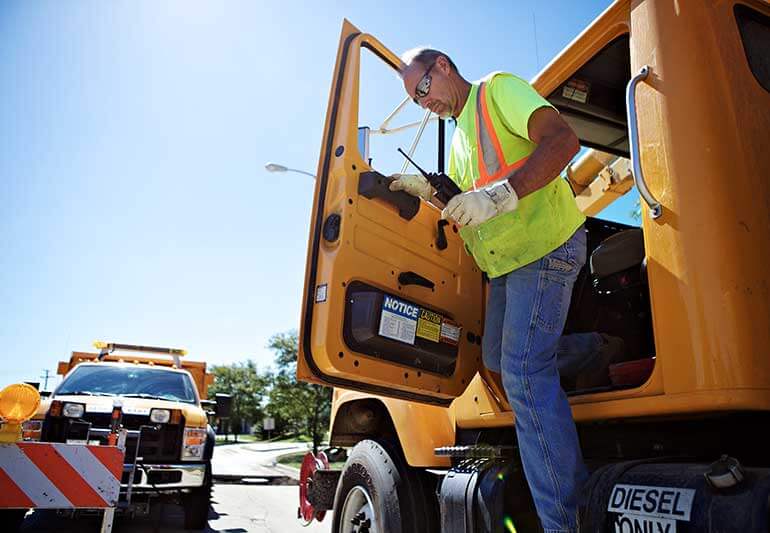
(247, 388)
(301, 407)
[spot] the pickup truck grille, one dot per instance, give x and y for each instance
(156, 446)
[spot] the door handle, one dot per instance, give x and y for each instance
(413, 278)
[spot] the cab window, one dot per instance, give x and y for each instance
(392, 121)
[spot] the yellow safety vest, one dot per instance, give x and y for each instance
(543, 220)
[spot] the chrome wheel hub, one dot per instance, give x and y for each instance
(358, 513)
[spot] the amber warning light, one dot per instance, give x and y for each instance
(18, 403)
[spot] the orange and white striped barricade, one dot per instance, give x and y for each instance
(53, 475)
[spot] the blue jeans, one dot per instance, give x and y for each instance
(525, 317)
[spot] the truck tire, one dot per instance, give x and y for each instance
(379, 492)
(197, 502)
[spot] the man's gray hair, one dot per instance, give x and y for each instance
(426, 57)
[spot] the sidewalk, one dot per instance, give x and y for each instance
(252, 462)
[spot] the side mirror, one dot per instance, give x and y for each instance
(210, 406)
(224, 404)
(45, 394)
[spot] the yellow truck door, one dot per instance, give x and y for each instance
(392, 302)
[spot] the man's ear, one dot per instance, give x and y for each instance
(443, 64)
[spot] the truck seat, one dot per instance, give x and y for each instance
(611, 292)
(618, 262)
(618, 252)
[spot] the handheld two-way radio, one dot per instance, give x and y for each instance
(445, 187)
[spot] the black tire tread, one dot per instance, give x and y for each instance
(406, 506)
(197, 504)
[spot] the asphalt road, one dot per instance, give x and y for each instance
(251, 494)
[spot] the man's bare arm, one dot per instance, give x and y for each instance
(556, 143)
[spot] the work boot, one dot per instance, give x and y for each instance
(611, 351)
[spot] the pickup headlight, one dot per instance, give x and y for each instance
(160, 416)
(73, 410)
(31, 429)
(193, 444)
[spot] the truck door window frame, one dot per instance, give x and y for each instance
(754, 29)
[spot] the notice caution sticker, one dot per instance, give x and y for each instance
(398, 320)
(429, 325)
(450, 332)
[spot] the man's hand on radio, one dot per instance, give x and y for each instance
(476, 207)
(413, 184)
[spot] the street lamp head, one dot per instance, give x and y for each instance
(275, 167)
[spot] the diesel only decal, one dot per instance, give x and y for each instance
(649, 509)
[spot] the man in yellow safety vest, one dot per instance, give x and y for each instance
(520, 222)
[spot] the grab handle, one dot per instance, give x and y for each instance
(633, 137)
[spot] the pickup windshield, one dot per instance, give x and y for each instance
(136, 382)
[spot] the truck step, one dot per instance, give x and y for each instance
(476, 451)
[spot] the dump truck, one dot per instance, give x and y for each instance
(169, 442)
(672, 97)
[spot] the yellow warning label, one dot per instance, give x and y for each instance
(429, 325)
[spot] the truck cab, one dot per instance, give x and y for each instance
(169, 442)
(670, 100)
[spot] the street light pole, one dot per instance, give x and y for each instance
(275, 167)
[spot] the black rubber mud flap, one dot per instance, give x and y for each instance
(456, 501)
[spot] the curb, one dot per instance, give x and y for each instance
(290, 470)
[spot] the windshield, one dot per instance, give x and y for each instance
(131, 381)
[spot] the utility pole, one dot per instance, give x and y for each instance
(45, 376)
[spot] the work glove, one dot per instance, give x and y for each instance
(476, 207)
(413, 184)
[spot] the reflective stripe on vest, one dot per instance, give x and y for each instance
(492, 166)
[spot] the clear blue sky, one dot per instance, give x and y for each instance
(134, 204)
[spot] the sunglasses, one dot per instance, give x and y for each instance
(423, 87)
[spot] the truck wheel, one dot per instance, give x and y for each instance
(379, 493)
(196, 504)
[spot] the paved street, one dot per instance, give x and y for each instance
(253, 460)
(263, 501)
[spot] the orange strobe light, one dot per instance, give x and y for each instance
(18, 403)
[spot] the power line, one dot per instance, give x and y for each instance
(537, 51)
